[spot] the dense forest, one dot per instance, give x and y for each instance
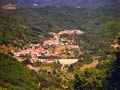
(30, 25)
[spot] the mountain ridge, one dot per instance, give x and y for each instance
(60, 3)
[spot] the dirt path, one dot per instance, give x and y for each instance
(91, 65)
(62, 67)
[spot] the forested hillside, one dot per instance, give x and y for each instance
(15, 32)
(99, 24)
(14, 75)
(23, 26)
(105, 76)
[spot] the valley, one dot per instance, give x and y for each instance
(58, 48)
(55, 47)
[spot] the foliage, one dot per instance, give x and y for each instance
(114, 73)
(30, 25)
(14, 75)
(104, 77)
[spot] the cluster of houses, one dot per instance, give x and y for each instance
(71, 32)
(9, 6)
(35, 51)
(116, 46)
(56, 40)
(52, 41)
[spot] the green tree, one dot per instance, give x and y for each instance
(14, 75)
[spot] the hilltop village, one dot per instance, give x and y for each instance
(52, 50)
(9, 6)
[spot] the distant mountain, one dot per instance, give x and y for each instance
(80, 3)
(59, 3)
